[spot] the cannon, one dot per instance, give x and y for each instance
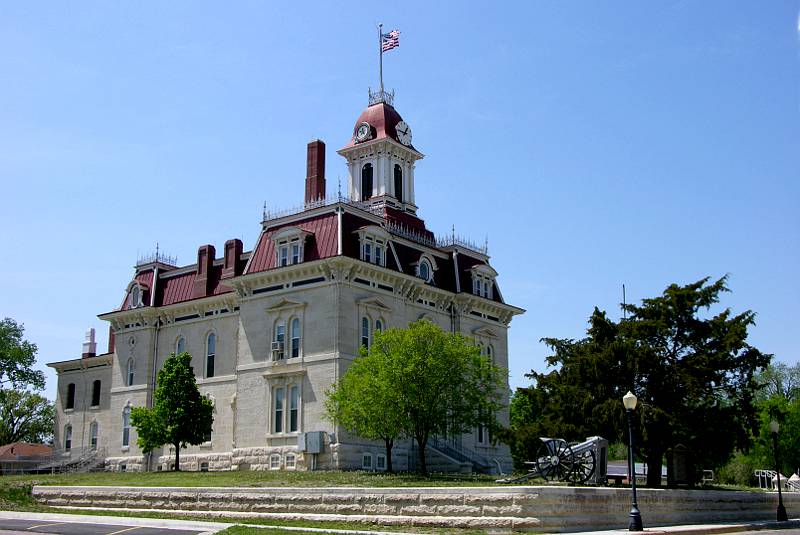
(578, 462)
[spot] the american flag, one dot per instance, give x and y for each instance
(390, 40)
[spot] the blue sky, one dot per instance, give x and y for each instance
(595, 144)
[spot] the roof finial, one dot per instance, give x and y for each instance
(454, 232)
(486, 244)
(264, 212)
(156, 251)
(339, 192)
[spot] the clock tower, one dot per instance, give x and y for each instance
(381, 157)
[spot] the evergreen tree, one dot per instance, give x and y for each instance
(693, 374)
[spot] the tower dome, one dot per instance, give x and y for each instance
(379, 121)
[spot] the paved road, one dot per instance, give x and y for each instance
(10, 526)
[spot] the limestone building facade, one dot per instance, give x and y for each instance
(272, 328)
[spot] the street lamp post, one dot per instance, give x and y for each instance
(629, 401)
(774, 428)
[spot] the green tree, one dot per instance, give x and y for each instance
(25, 417)
(694, 375)
(437, 383)
(180, 415)
(522, 435)
(777, 399)
(787, 413)
(362, 401)
(779, 379)
(17, 357)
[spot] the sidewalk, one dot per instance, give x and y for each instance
(214, 527)
(205, 527)
(705, 529)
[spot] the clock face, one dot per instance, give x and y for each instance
(363, 132)
(403, 133)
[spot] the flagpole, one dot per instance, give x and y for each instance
(380, 53)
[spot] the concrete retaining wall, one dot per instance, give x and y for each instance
(540, 508)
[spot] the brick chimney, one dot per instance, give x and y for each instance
(315, 172)
(204, 278)
(233, 251)
(89, 345)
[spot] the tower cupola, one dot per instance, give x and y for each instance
(381, 158)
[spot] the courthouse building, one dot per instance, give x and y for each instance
(272, 328)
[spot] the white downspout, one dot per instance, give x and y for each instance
(339, 247)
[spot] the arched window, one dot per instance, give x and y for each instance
(70, 396)
(279, 412)
(294, 408)
(366, 181)
(490, 353)
(483, 435)
(295, 338)
(136, 297)
(378, 326)
(93, 435)
(67, 437)
(96, 393)
(398, 182)
(126, 427)
(180, 347)
(291, 461)
(425, 270)
(131, 369)
(365, 332)
(278, 347)
(211, 351)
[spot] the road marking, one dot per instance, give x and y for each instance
(123, 530)
(48, 524)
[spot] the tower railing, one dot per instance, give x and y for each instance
(395, 228)
(376, 97)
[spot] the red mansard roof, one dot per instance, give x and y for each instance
(323, 244)
(179, 288)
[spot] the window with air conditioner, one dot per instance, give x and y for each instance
(279, 342)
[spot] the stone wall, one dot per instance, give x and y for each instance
(541, 508)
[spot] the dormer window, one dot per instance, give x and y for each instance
(425, 267)
(289, 246)
(136, 295)
(374, 245)
(483, 281)
(425, 270)
(482, 286)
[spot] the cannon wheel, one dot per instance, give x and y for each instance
(554, 459)
(583, 467)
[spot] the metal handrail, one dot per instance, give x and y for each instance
(459, 453)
